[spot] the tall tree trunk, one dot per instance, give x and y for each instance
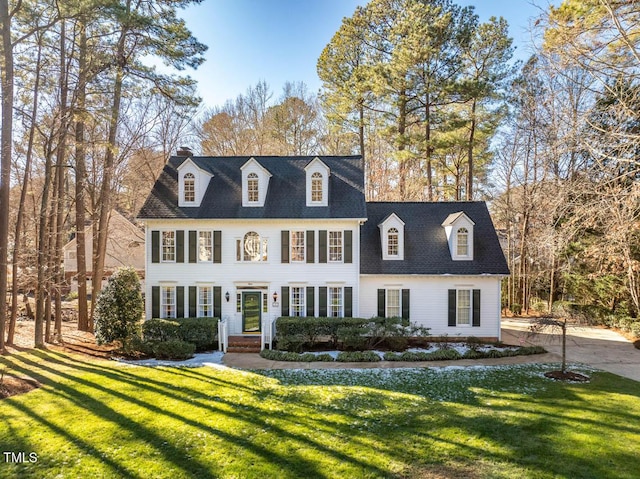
(23, 196)
(403, 174)
(81, 175)
(42, 258)
(6, 83)
(100, 242)
(428, 148)
(472, 131)
(61, 174)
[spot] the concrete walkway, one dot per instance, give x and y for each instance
(596, 347)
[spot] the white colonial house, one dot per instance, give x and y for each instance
(250, 239)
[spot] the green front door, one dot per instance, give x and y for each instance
(251, 312)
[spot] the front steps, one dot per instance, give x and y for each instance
(243, 344)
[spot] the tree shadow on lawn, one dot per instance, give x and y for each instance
(544, 427)
(67, 385)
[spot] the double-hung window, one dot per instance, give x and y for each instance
(464, 307)
(335, 309)
(168, 301)
(205, 246)
(316, 187)
(297, 301)
(392, 242)
(168, 246)
(335, 246)
(393, 304)
(205, 301)
(297, 246)
(462, 248)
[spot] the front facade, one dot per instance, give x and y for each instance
(250, 239)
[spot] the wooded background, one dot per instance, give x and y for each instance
(425, 92)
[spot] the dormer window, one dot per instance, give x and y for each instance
(458, 228)
(252, 188)
(189, 188)
(462, 239)
(193, 182)
(255, 183)
(392, 238)
(317, 183)
(392, 242)
(316, 187)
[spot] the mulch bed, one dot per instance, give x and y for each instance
(10, 386)
(567, 376)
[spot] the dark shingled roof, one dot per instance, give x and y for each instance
(426, 250)
(286, 196)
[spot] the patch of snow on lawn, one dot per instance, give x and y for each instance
(213, 359)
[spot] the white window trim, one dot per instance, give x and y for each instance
(470, 323)
(199, 306)
(329, 301)
(192, 178)
(341, 235)
(304, 246)
(163, 304)
(302, 306)
(264, 249)
(210, 232)
(162, 245)
(386, 302)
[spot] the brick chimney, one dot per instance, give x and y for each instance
(184, 151)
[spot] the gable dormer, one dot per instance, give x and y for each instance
(255, 183)
(193, 181)
(392, 238)
(317, 183)
(459, 230)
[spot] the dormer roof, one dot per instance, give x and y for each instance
(252, 162)
(454, 217)
(286, 197)
(426, 249)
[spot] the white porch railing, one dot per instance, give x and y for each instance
(223, 335)
(268, 332)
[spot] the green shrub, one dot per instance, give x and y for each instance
(327, 358)
(444, 355)
(354, 337)
(529, 350)
(357, 357)
(390, 356)
(203, 332)
(119, 309)
(158, 330)
(174, 349)
(473, 343)
(493, 353)
(516, 309)
(396, 343)
(473, 354)
(292, 343)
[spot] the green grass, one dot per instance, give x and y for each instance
(101, 419)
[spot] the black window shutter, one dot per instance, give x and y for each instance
(348, 246)
(285, 300)
(348, 302)
(476, 307)
(322, 301)
(155, 301)
(217, 246)
(217, 302)
(452, 307)
(284, 253)
(193, 301)
(155, 247)
(311, 256)
(381, 303)
(322, 246)
(179, 301)
(405, 304)
(311, 306)
(193, 246)
(180, 246)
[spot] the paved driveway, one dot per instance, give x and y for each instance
(598, 347)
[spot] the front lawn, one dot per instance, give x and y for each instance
(102, 419)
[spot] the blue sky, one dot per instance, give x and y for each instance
(281, 40)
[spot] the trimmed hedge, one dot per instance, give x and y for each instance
(174, 349)
(178, 338)
(358, 357)
(298, 333)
